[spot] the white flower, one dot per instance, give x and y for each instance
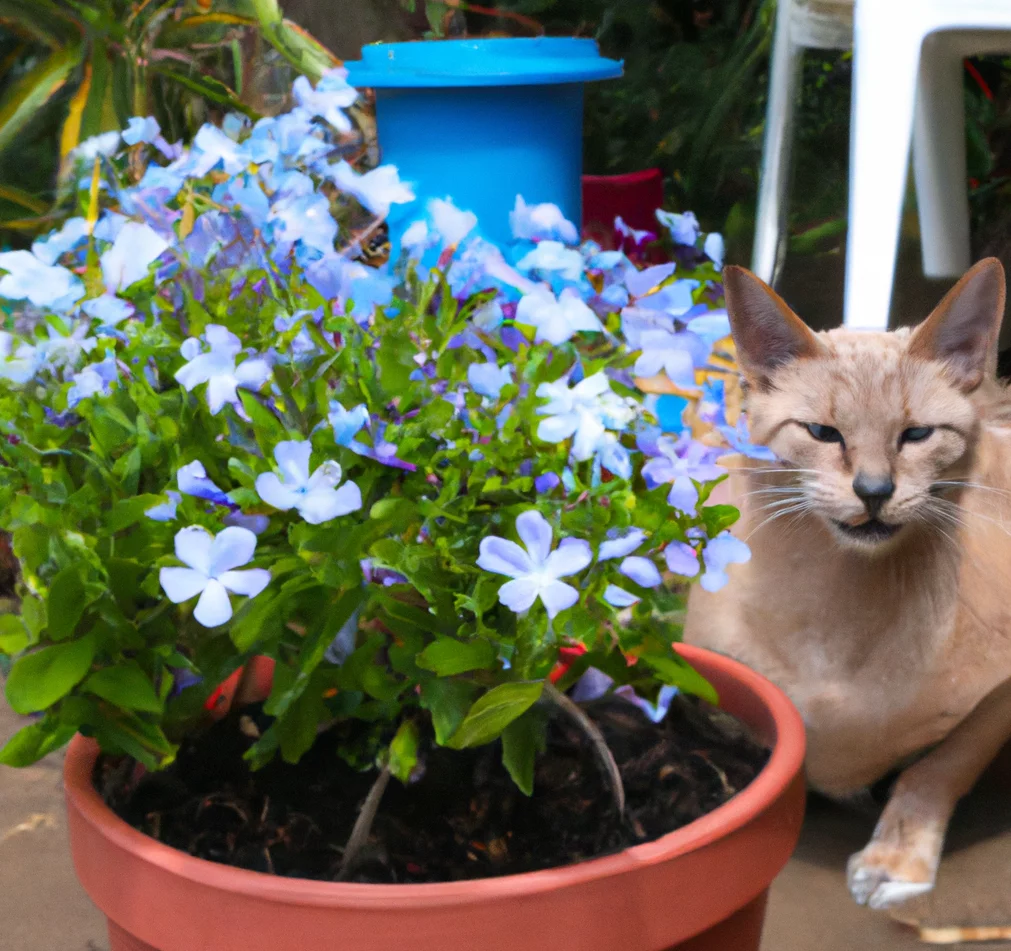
(662, 350)
(376, 190)
(556, 319)
(164, 511)
(540, 222)
(19, 361)
(329, 99)
(586, 411)
(93, 380)
(136, 247)
(44, 285)
(536, 571)
(552, 257)
(450, 223)
(66, 350)
(211, 561)
(217, 368)
(714, 249)
(487, 379)
(316, 496)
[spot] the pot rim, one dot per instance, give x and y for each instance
(772, 782)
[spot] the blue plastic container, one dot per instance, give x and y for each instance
(482, 121)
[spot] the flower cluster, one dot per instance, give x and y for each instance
(225, 434)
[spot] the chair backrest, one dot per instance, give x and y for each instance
(822, 24)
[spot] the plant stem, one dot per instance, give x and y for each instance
(600, 747)
(363, 826)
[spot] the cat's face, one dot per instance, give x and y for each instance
(875, 433)
(877, 426)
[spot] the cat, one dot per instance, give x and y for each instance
(878, 595)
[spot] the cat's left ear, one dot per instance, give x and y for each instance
(962, 331)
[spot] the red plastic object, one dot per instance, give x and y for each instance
(701, 888)
(262, 679)
(634, 197)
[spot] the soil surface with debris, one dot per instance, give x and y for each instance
(462, 819)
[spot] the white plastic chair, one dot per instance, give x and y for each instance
(907, 85)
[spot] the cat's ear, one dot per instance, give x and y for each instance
(766, 332)
(962, 331)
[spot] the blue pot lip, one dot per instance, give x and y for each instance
(426, 64)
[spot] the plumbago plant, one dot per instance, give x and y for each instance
(431, 491)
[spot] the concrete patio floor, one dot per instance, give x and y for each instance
(42, 908)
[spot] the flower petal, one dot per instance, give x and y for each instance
(221, 390)
(325, 503)
(571, 555)
(249, 582)
(504, 557)
(682, 559)
(232, 548)
(213, 608)
(620, 547)
(557, 596)
(641, 570)
(193, 548)
(557, 428)
(619, 597)
(535, 532)
(274, 492)
(292, 457)
(181, 584)
(683, 495)
(519, 595)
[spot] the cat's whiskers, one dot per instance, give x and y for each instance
(783, 508)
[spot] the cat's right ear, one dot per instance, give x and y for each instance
(767, 333)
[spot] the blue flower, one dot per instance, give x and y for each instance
(211, 571)
(41, 284)
(216, 367)
(536, 570)
(19, 361)
(621, 546)
(165, 511)
(450, 223)
(682, 559)
(630, 234)
(556, 319)
(136, 247)
(553, 258)
(347, 423)
(375, 190)
(93, 380)
(541, 222)
(585, 411)
(212, 148)
(108, 309)
(329, 99)
(141, 130)
(315, 496)
(739, 440)
(192, 480)
(487, 379)
(714, 249)
(304, 218)
(57, 243)
(712, 327)
(682, 464)
(684, 229)
(721, 551)
(663, 351)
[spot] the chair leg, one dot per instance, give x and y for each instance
(774, 183)
(885, 59)
(939, 162)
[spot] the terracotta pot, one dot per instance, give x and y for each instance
(701, 888)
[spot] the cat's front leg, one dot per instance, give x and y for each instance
(902, 857)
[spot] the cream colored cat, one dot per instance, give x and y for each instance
(878, 595)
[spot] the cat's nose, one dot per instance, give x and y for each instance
(873, 491)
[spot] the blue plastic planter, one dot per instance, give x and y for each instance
(482, 121)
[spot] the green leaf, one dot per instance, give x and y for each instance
(494, 712)
(448, 702)
(13, 634)
(521, 742)
(34, 741)
(446, 656)
(39, 679)
(719, 517)
(679, 673)
(297, 729)
(404, 751)
(211, 89)
(24, 98)
(65, 604)
(125, 686)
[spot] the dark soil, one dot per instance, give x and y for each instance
(462, 819)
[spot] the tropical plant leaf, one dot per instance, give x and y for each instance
(210, 88)
(33, 90)
(70, 136)
(18, 196)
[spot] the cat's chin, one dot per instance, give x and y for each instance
(869, 535)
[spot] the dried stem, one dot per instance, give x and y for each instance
(363, 826)
(600, 747)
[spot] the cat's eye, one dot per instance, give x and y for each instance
(916, 434)
(824, 433)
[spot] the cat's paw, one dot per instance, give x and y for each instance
(883, 877)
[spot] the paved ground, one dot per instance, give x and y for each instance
(42, 908)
